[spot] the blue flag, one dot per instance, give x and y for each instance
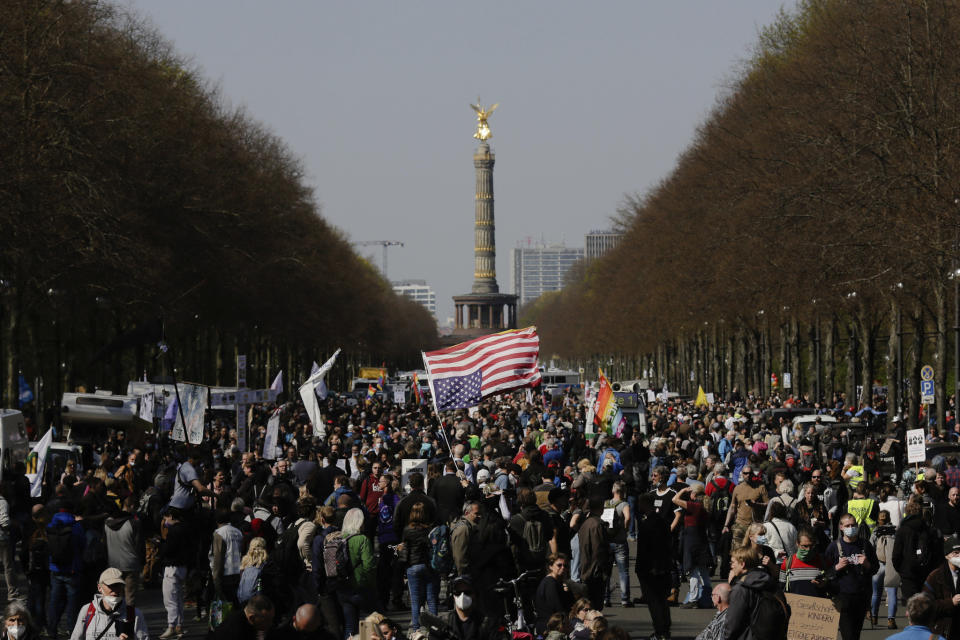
(26, 393)
(170, 416)
(458, 392)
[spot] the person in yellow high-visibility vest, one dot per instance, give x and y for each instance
(863, 509)
(854, 474)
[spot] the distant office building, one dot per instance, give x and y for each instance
(538, 269)
(600, 242)
(418, 291)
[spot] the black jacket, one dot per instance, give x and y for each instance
(449, 495)
(401, 515)
(905, 545)
(416, 542)
(939, 586)
(744, 594)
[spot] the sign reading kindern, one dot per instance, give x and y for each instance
(812, 618)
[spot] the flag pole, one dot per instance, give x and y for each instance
(433, 399)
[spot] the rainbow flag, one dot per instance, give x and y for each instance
(417, 396)
(371, 392)
(607, 414)
(383, 376)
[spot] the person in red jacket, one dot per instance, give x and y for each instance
(370, 490)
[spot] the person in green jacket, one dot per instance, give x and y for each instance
(358, 592)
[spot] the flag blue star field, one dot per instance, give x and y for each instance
(459, 391)
(464, 374)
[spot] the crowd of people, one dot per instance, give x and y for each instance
(523, 521)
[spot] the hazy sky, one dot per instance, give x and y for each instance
(597, 100)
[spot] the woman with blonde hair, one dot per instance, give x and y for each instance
(755, 539)
(252, 566)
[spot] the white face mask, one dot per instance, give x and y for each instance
(15, 632)
(463, 601)
(850, 532)
(955, 561)
(112, 601)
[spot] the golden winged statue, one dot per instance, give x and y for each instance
(483, 130)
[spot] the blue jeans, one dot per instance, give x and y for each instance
(632, 502)
(575, 558)
(424, 584)
(891, 595)
(351, 602)
(63, 599)
(699, 587)
(621, 555)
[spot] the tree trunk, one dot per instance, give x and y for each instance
(893, 351)
(913, 371)
(829, 365)
(940, 357)
(850, 391)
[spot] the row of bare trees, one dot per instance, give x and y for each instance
(137, 207)
(810, 227)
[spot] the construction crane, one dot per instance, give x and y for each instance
(384, 244)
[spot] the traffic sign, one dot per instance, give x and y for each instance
(926, 373)
(926, 391)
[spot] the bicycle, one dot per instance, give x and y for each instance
(519, 627)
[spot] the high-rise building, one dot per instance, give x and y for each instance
(599, 242)
(538, 269)
(418, 291)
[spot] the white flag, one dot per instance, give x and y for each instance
(270, 442)
(309, 393)
(321, 389)
(36, 486)
(146, 406)
(277, 384)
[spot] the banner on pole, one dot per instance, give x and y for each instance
(193, 398)
(916, 446)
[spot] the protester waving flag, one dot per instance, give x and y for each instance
(607, 414)
(417, 396)
(462, 375)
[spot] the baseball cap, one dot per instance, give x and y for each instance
(951, 544)
(111, 577)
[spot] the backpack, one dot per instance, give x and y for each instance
(249, 584)
(770, 616)
(719, 503)
(336, 557)
(929, 550)
(533, 551)
(385, 516)
(95, 551)
(286, 554)
(441, 555)
(60, 543)
(618, 532)
(39, 556)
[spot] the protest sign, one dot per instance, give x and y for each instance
(412, 465)
(812, 618)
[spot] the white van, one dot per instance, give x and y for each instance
(14, 445)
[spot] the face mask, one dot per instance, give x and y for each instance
(761, 539)
(955, 561)
(803, 554)
(850, 532)
(112, 601)
(463, 601)
(15, 632)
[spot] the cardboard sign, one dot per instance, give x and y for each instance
(412, 465)
(916, 446)
(812, 618)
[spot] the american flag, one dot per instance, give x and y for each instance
(463, 374)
